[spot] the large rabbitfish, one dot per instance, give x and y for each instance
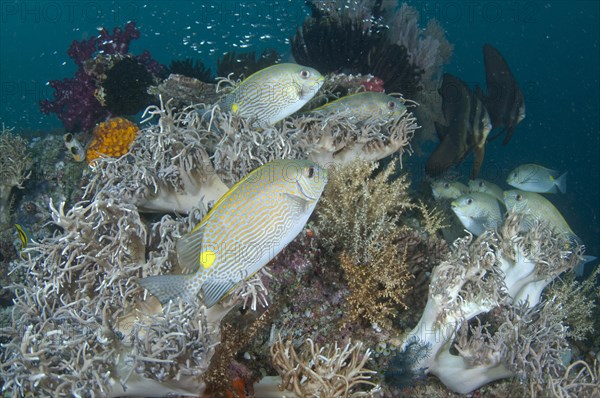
(273, 93)
(246, 228)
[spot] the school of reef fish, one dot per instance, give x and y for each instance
(254, 234)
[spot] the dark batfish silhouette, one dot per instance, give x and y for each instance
(503, 98)
(466, 130)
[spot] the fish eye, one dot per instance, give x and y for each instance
(518, 197)
(469, 201)
(480, 184)
(446, 185)
(391, 105)
(304, 74)
(311, 172)
(73, 150)
(68, 137)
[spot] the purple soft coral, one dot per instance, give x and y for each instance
(74, 100)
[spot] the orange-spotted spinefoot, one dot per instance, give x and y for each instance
(246, 228)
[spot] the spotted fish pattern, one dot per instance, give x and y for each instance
(273, 93)
(245, 229)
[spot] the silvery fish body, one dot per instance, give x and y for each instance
(365, 105)
(535, 178)
(478, 212)
(443, 189)
(245, 229)
(536, 207)
(480, 185)
(273, 93)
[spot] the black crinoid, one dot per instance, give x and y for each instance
(126, 87)
(245, 64)
(191, 68)
(337, 43)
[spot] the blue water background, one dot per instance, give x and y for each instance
(552, 48)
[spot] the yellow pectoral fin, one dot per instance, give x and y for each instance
(207, 258)
(235, 108)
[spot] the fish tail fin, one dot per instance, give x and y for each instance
(580, 268)
(478, 161)
(561, 183)
(171, 287)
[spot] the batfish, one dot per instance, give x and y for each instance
(503, 99)
(467, 127)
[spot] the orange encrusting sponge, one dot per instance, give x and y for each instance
(111, 138)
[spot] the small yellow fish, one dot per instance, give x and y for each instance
(536, 207)
(443, 189)
(478, 212)
(365, 105)
(273, 93)
(245, 229)
(535, 178)
(23, 236)
(480, 185)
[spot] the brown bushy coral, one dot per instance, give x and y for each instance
(359, 223)
(377, 289)
(359, 213)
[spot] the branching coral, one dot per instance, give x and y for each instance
(359, 213)
(503, 268)
(580, 379)
(359, 226)
(528, 343)
(578, 302)
(233, 340)
(327, 372)
(335, 139)
(167, 168)
(14, 165)
(79, 324)
(190, 156)
(376, 289)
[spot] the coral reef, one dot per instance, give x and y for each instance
(381, 39)
(502, 271)
(329, 371)
(330, 45)
(374, 26)
(190, 157)
(111, 138)
(14, 167)
(181, 91)
(80, 102)
(359, 225)
(578, 303)
(80, 326)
